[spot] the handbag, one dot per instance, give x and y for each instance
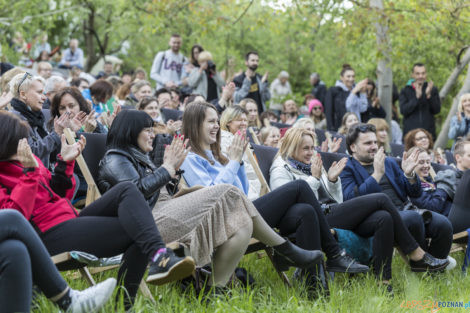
(426, 215)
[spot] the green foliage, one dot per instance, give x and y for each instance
(300, 36)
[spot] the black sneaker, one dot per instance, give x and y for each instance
(429, 264)
(168, 267)
(343, 263)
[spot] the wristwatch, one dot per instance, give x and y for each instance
(412, 175)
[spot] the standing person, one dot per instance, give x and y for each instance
(419, 102)
(369, 171)
(167, 66)
(344, 97)
(204, 79)
(318, 87)
(280, 88)
(72, 56)
(250, 84)
(374, 110)
(460, 123)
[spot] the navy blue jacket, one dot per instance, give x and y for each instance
(356, 181)
(433, 200)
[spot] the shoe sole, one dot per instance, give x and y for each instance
(180, 270)
(345, 270)
(426, 269)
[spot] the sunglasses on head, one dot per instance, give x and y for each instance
(26, 75)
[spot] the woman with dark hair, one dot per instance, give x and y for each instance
(150, 106)
(24, 260)
(118, 222)
(71, 102)
(216, 220)
(188, 67)
(291, 208)
(374, 109)
(421, 138)
(344, 97)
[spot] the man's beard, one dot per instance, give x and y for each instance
(253, 68)
(365, 159)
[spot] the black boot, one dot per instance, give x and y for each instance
(428, 263)
(288, 254)
(343, 263)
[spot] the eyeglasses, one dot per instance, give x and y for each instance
(316, 108)
(22, 80)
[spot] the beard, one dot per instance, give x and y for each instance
(253, 68)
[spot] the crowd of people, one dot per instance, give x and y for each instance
(178, 168)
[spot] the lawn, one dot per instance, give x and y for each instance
(348, 294)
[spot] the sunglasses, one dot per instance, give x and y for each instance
(26, 75)
(316, 108)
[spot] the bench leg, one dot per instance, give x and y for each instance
(86, 274)
(146, 291)
(282, 275)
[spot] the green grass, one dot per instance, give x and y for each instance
(348, 294)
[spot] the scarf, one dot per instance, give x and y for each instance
(304, 168)
(34, 118)
(142, 158)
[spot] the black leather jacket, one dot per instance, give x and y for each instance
(119, 165)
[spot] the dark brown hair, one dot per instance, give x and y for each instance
(12, 129)
(146, 101)
(346, 67)
(101, 90)
(409, 139)
(193, 123)
(55, 104)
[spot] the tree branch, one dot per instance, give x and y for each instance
(243, 13)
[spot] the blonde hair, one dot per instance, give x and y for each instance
(243, 104)
(138, 85)
(380, 124)
(204, 56)
(291, 141)
(25, 84)
(264, 133)
(231, 114)
(462, 97)
(7, 77)
(302, 122)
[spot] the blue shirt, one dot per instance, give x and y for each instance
(199, 171)
(74, 58)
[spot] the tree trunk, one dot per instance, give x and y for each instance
(384, 70)
(441, 140)
(88, 27)
(455, 74)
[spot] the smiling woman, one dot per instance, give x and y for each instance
(28, 93)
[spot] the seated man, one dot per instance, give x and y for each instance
(369, 171)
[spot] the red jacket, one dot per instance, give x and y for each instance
(32, 195)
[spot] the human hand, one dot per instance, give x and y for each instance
(418, 89)
(90, 122)
(60, 123)
(5, 98)
(429, 89)
(76, 121)
(316, 166)
(25, 155)
(71, 152)
(409, 162)
(379, 163)
(237, 147)
(169, 84)
(203, 66)
(174, 126)
(376, 102)
(335, 169)
(335, 144)
(175, 154)
(324, 146)
(360, 86)
(228, 91)
(265, 77)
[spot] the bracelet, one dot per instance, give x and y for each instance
(412, 175)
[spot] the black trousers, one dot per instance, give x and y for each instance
(23, 261)
(118, 222)
(294, 210)
(375, 215)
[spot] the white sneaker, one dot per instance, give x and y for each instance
(452, 263)
(93, 298)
